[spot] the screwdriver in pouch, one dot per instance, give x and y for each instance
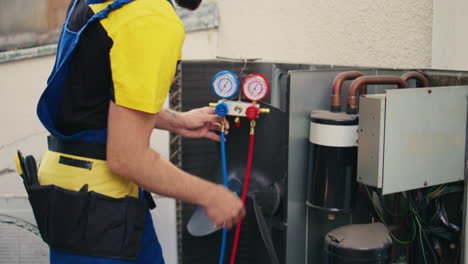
(21, 168)
(31, 167)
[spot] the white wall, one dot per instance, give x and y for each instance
(21, 83)
(384, 33)
(450, 38)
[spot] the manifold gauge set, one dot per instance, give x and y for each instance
(255, 87)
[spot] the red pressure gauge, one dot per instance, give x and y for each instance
(255, 87)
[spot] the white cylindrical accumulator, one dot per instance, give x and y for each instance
(333, 135)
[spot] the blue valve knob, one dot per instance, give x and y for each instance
(222, 109)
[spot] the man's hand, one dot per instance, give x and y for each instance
(199, 123)
(223, 207)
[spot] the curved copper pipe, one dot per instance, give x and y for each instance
(336, 87)
(416, 75)
(359, 85)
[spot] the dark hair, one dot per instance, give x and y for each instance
(189, 4)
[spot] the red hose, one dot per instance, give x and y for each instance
(244, 195)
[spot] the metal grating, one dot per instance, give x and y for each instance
(176, 151)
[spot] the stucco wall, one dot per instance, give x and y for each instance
(13, 14)
(449, 39)
(31, 15)
(383, 33)
(21, 83)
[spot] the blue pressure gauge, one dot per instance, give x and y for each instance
(225, 84)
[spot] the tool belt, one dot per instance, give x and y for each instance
(88, 223)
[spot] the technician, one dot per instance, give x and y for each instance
(115, 63)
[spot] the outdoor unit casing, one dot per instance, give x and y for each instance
(412, 138)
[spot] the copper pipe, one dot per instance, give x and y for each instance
(416, 75)
(336, 88)
(358, 85)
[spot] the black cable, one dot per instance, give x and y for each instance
(379, 214)
(430, 246)
(434, 224)
(444, 217)
(385, 209)
(411, 200)
(441, 233)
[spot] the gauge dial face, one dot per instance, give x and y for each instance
(255, 87)
(225, 84)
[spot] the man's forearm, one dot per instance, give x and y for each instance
(157, 175)
(169, 120)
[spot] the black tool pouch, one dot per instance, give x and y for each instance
(88, 223)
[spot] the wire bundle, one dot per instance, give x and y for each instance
(427, 219)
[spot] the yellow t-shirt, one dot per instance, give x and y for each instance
(147, 42)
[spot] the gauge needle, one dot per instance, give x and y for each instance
(255, 88)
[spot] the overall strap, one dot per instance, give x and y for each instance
(69, 14)
(111, 7)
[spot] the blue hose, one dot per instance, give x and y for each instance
(225, 183)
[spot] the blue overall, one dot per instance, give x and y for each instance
(47, 109)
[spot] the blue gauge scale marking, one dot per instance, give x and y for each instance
(225, 84)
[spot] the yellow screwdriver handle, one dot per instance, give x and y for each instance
(18, 165)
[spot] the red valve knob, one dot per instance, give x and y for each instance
(237, 122)
(252, 112)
